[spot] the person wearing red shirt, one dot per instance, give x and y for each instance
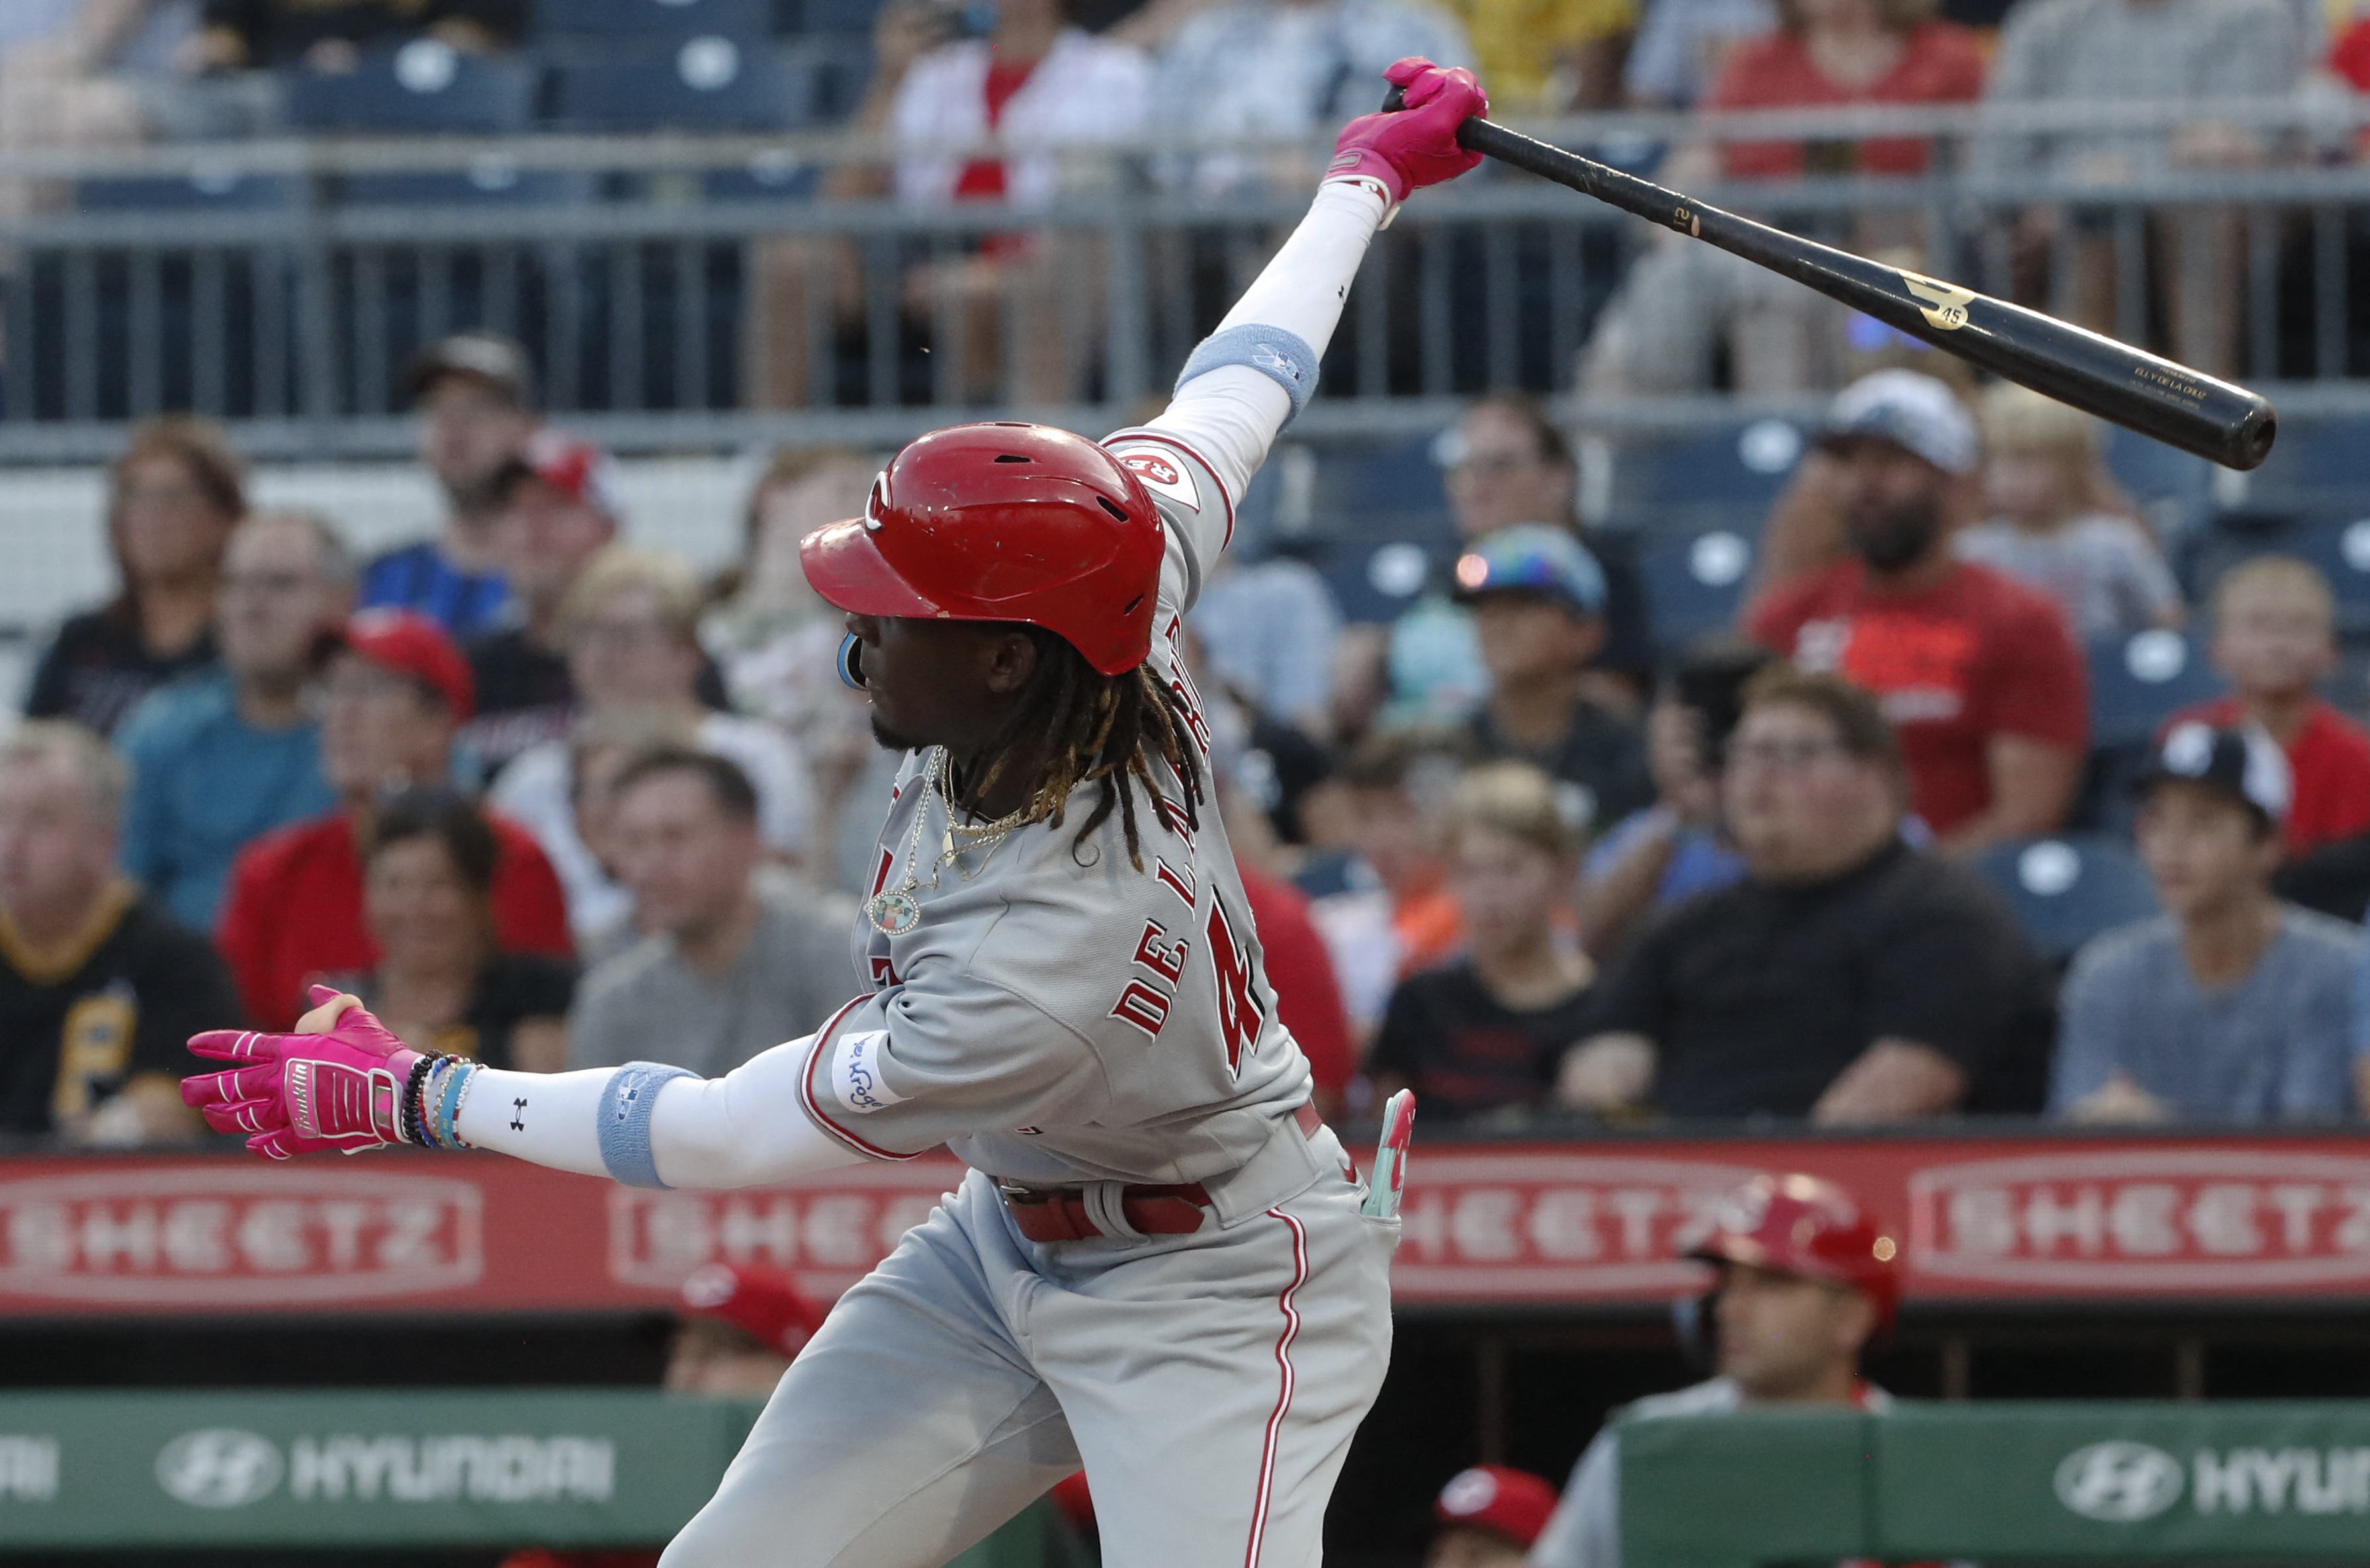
(1977, 672)
(1306, 997)
(392, 695)
(1844, 52)
(2273, 640)
(2348, 57)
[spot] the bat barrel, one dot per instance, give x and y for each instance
(2172, 403)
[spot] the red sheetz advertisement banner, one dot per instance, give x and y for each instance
(1997, 1219)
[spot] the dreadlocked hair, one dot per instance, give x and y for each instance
(1096, 729)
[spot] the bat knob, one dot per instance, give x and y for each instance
(2251, 441)
(1394, 100)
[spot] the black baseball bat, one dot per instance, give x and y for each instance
(2134, 388)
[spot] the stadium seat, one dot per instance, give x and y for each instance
(1372, 518)
(1358, 481)
(1378, 578)
(1724, 475)
(746, 20)
(2136, 683)
(2173, 487)
(205, 190)
(813, 17)
(425, 86)
(2318, 459)
(707, 82)
(2337, 541)
(769, 177)
(2066, 889)
(1696, 582)
(492, 180)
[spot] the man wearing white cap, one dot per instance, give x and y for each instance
(1978, 673)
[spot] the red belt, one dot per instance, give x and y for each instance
(1059, 1213)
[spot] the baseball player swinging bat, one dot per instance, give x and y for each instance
(2135, 389)
(1161, 1265)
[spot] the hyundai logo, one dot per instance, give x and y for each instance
(220, 1467)
(2119, 1482)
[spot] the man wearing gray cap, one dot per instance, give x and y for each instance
(475, 394)
(1977, 672)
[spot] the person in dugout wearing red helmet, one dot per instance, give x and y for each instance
(1488, 1515)
(1803, 1278)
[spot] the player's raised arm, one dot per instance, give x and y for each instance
(1248, 379)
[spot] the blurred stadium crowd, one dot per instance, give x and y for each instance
(1969, 789)
(549, 798)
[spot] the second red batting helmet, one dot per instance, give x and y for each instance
(1802, 1225)
(759, 1301)
(1003, 523)
(1511, 1503)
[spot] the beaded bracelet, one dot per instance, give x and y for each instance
(424, 1111)
(406, 1105)
(440, 1098)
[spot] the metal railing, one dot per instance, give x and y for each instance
(699, 293)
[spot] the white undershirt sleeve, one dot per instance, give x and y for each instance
(744, 1129)
(544, 1118)
(741, 1130)
(1230, 414)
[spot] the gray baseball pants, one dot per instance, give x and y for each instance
(1210, 1384)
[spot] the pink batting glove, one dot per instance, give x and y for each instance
(1407, 149)
(338, 1083)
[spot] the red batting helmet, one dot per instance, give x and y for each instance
(1003, 522)
(1507, 1501)
(1801, 1225)
(759, 1301)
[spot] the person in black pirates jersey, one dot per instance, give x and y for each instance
(1160, 1265)
(98, 985)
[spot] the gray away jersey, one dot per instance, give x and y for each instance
(1058, 1015)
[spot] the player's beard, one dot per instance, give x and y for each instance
(890, 740)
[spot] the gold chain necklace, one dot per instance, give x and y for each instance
(896, 911)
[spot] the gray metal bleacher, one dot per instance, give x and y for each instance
(271, 284)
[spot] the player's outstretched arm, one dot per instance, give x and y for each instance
(1248, 378)
(343, 1081)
